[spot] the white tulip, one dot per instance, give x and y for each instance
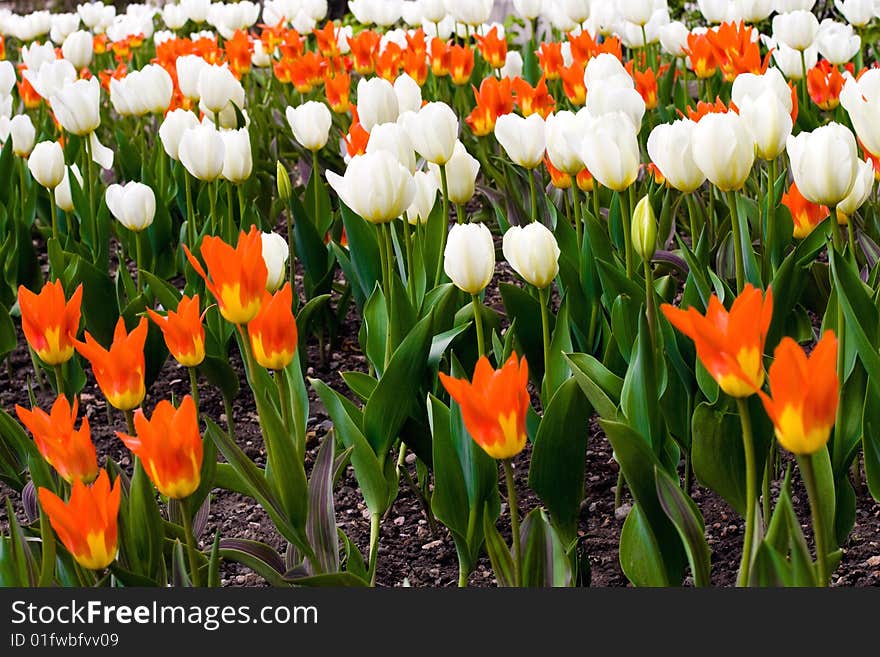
(861, 99)
(724, 150)
(604, 67)
(670, 147)
(637, 12)
(310, 123)
(562, 151)
(78, 48)
(23, 134)
(789, 60)
(238, 160)
(613, 96)
(51, 78)
(513, 65)
(189, 67)
(796, 29)
(376, 102)
(392, 138)
(858, 13)
(77, 106)
(470, 12)
(409, 94)
(469, 257)
(133, 205)
(7, 77)
(673, 38)
(714, 11)
(176, 122)
(523, 139)
(46, 164)
(754, 85)
(201, 151)
(528, 9)
(461, 175)
(769, 123)
(217, 88)
(861, 189)
(533, 253)
(33, 56)
(837, 42)
(433, 131)
(376, 186)
(276, 251)
(824, 163)
(424, 198)
(610, 149)
(63, 193)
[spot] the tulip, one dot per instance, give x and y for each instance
(87, 523)
(724, 150)
(604, 67)
(425, 196)
(238, 161)
(63, 194)
(796, 29)
(46, 164)
(670, 147)
(561, 150)
(433, 131)
(857, 13)
(577, 11)
(275, 251)
(470, 12)
(789, 60)
(217, 88)
(638, 12)
(133, 205)
(768, 122)
(469, 257)
(528, 9)
(805, 216)
(183, 331)
(238, 276)
(77, 49)
(523, 139)
(310, 123)
(610, 150)
(51, 77)
(171, 131)
(494, 405)
(120, 370)
(836, 42)
(644, 229)
(202, 152)
(860, 192)
(533, 253)
(188, 68)
(861, 99)
(513, 66)
(77, 106)
(393, 139)
(409, 94)
(7, 78)
(461, 175)
(23, 134)
(613, 96)
(377, 102)
(70, 451)
(751, 85)
(273, 333)
(375, 186)
(730, 345)
(169, 446)
(673, 38)
(824, 163)
(50, 323)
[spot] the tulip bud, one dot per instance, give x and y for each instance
(77, 106)
(533, 253)
(423, 201)
(469, 258)
(77, 48)
(433, 131)
(796, 29)
(561, 150)
(133, 205)
(63, 195)
(237, 157)
(172, 129)
(23, 134)
(644, 229)
(610, 149)
(670, 147)
(724, 149)
(409, 94)
(523, 139)
(310, 123)
(275, 254)
(377, 102)
(217, 87)
(202, 152)
(824, 163)
(46, 164)
(188, 69)
(282, 182)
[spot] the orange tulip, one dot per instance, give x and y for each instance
(583, 47)
(439, 57)
(573, 83)
(87, 523)
(238, 52)
(533, 100)
(237, 275)
(824, 84)
(28, 94)
(119, 370)
(702, 109)
(584, 180)
(493, 100)
(338, 90)
(273, 332)
(389, 61)
(805, 394)
(183, 331)
(558, 179)
(50, 323)
(69, 451)
(805, 215)
(364, 50)
(357, 139)
(169, 446)
(550, 60)
(493, 48)
(461, 64)
(702, 55)
(415, 65)
(735, 51)
(729, 344)
(646, 83)
(307, 72)
(327, 40)
(494, 405)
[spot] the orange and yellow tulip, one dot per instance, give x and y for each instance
(461, 64)
(50, 323)
(338, 90)
(183, 331)
(573, 83)
(440, 52)
(364, 50)
(533, 100)
(237, 275)
(729, 344)
(824, 84)
(120, 370)
(87, 523)
(550, 60)
(273, 332)
(494, 405)
(804, 214)
(70, 451)
(169, 446)
(804, 393)
(493, 48)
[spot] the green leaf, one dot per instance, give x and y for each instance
(321, 523)
(717, 454)
(687, 519)
(363, 247)
(257, 556)
(640, 556)
(526, 311)
(600, 386)
(544, 561)
(499, 553)
(559, 452)
(144, 525)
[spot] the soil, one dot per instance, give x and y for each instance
(409, 553)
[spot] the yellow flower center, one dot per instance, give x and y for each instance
(796, 438)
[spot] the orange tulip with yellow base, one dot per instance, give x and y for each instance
(169, 446)
(50, 322)
(70, 451)
(729, 344)
(183, 331)
(803, 394)
(236, 276)
(273, 333)
(87, 523)
(494, 405)
(119, 370)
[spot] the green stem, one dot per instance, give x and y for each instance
(770, 245)
(650, 308)
(59, 378)
(445, 189)
(283, 399)
(230, 212)
(194, 386)
(836, 235)
(751, 490)
(478, 325)
(191, 231)
(22, 183)
(241, 206)
(54, 212)
(595, 195)
(578, 222)
(533, 195)
(851, 234)
(410, 265)
(545, 328)
(90, 177)
(317, 187)
(514, 522)
(139, 259)
(129, 421)
(375, 519)
(212, 198)
(819, 531)
(737, 241)
(386, 252)
(459, 213)
(191, 547)
(626, 220)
